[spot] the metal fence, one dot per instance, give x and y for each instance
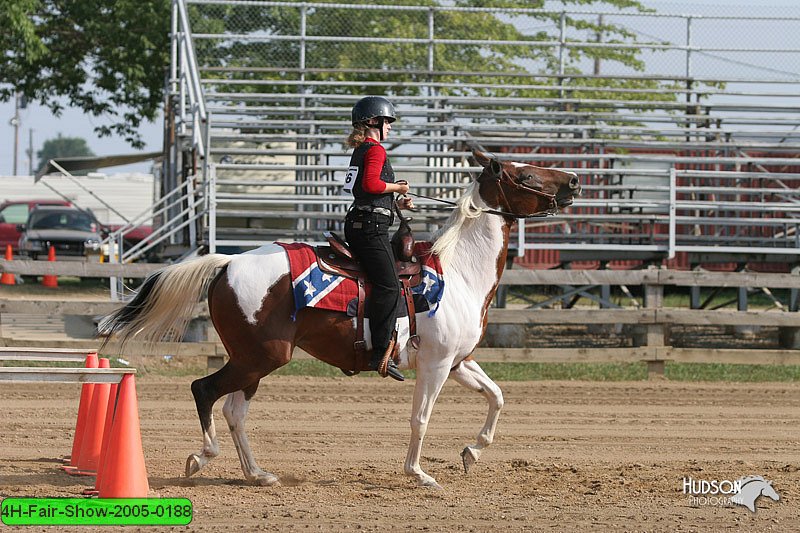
(684, 129)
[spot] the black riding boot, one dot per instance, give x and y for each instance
(391, 369)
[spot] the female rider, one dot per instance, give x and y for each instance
(371, 180)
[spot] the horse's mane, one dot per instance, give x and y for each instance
(749, 479)
(444, 240)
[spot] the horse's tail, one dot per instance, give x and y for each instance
(163, 306)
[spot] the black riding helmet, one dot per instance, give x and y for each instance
(372, 107)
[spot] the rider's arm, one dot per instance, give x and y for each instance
(373, 164)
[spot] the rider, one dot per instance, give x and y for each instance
(371, 180)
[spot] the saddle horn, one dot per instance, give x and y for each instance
(403, 239)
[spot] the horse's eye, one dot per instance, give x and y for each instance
(529, 180)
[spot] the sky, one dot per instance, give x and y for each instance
(74, 123)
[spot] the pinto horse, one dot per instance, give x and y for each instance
(251, 305)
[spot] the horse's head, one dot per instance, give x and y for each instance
(768, 491)
(524, 190)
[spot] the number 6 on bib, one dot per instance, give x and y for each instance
(350, 180)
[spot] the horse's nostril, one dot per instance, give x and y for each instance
(574, 183)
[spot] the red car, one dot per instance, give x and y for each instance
(13, 213)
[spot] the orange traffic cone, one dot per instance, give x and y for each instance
(112, 401)
(50, 280)
(83, 410)
(89, 456)
(8, 278)
(124, 472)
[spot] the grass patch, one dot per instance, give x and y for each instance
(316, 368)
(586, 372)
(733, 373)
(686, 372)
(709, 372)
(565, 371)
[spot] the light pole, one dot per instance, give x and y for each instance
(29, 151)
(15, 122)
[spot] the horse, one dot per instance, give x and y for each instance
(251, 305)
(753, 487)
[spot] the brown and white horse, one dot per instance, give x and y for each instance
(251, 304)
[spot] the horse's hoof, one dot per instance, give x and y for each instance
(192, 465)
(267, 480)
(468, 459)
(431, 485)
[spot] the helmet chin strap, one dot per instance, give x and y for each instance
(381, 122)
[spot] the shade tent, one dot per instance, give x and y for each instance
(72, 164)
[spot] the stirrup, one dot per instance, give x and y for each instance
(387, 366)
(393, 372)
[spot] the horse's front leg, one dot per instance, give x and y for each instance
(471, 375)
(431, 375)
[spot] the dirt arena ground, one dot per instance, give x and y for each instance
(567, 455)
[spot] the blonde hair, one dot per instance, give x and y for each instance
(357, 136)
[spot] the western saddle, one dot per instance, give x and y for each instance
(336, 258)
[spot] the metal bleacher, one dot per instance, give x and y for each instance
(673, 159)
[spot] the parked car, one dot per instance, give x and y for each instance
(72, 232)
(15, 212)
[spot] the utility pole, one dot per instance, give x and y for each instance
(30, 151)
(600, 21)
(15, 123)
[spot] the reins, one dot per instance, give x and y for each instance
(551, 210)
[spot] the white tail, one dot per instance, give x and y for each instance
(163, 306)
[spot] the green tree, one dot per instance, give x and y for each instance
(517, 68)
(63, 147)
(388, 54)
(107, 58)
(110, 58)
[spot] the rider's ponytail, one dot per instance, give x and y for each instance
(357, 136)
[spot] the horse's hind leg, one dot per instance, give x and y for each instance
(471, 375)
(235, 411)
(206, 392)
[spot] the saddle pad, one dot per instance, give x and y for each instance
(314, 288)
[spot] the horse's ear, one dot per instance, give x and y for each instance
(482, 159)
(495, 168)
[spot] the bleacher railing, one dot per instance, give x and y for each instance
(712, 169)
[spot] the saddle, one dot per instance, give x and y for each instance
(336, 258)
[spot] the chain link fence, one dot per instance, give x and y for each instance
(291, 40)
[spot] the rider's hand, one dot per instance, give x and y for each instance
(402, 187)
(405, 203)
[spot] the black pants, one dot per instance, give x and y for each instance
(368, 237)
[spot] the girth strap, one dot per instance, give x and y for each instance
(360, 345)
(412, 318)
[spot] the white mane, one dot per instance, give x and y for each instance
(445, 240)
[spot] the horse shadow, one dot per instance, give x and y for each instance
(288, 480)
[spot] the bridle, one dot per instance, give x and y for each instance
(551, 209)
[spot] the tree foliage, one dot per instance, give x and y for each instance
(387, 51)
(110, 58)
(107, 58)
(63, 147)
